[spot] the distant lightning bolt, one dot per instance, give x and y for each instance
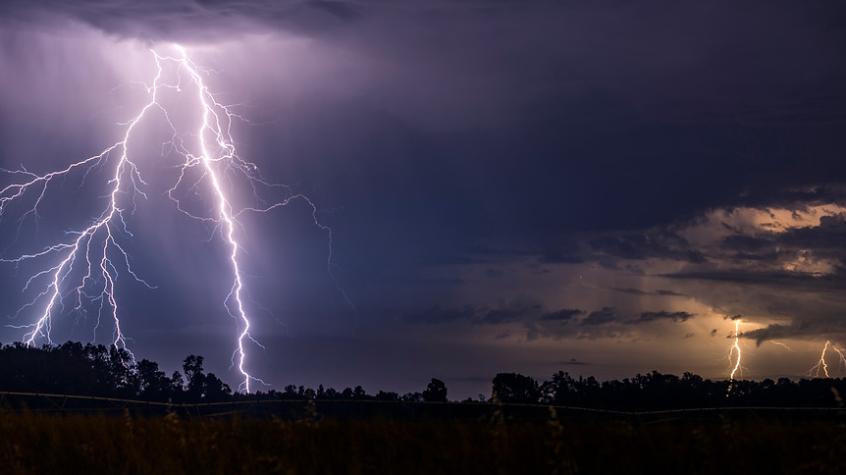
(840, 355)
(734, 355)
(820, 369)
(781, 344)
(97, 245)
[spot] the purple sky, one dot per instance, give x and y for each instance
(513, 186)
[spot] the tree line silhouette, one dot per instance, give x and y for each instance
(97, 370)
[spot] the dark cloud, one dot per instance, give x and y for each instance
(772, 278)
(508, 313)
(503, 313)
(664, 315)
(631, 291)
(662, 245)
(659, 292)
(669, 293)
(777, 331)
(801, 329)
(825, 240)
(603, 316)
(562, 315)
(822, 241)
(185, 19)
(533, 312)
(749, 244)
(784, 279)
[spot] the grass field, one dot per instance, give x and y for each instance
(713, 443)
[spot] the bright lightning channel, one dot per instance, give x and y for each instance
(821, 368)
(734, 355)
(98, 244)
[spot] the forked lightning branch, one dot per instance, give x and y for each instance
(210, 158)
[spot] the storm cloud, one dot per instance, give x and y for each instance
(506, 179)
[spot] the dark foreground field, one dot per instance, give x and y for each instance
(743, 442)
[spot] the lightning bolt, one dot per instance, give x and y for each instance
(781, 344)
(735, 355)
(840, 354)
(821, 367)
(98, 247)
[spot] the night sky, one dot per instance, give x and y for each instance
(512, 186)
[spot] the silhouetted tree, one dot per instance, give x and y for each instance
(177, 384)
(387, 396)
(436, 391)
(193, 368)
(513, 387)
(359, 393)
(154, 384)
(412, 397)
(215, 390)
(97, 370)
(290, 392)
